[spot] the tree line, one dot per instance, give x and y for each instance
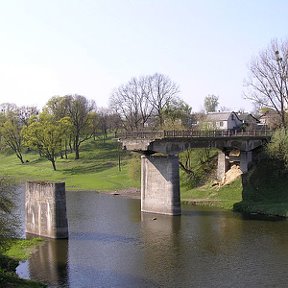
(145, 102)
(65, 122)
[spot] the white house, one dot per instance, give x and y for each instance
(222, 120)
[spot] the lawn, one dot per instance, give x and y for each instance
(97, 168)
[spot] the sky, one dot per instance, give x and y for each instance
(91, 47)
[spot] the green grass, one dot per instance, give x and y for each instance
(208, 195)
(19, 249)
(97, 168)
(265, 189)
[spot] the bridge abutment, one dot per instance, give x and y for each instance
(45, 207)
(160, 185)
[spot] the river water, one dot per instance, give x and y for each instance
(112, 244)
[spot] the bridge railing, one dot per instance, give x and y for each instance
(193, 133)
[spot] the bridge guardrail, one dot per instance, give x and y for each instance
(193, 133)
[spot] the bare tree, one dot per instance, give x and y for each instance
(143, 98)
(25, 113)
(267, 85)
(163, 91)
(132, 102)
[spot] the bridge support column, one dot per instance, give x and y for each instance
(45, 207)
(160, 188)
(223, 165)
(245, 159)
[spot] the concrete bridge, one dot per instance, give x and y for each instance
(160, 188)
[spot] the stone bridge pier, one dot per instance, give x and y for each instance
(223, 162)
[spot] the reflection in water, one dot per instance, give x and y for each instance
(48, 264)
(111, 244)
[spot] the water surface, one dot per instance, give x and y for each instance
(111, 244)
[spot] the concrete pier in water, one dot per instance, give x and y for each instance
(45, 209)
(160, 191)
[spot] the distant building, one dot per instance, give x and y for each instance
(222, 121)
(271, 119)
(249, 122)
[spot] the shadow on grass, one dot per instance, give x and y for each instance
(93, 168)
(265, 189)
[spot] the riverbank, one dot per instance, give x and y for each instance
(19, 250)
(265, 189)
(98, 170)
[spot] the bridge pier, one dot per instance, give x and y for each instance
(245, 160)
(160, 185)
(223, 165)
(45, 209)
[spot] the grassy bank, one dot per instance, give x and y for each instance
(265, 189)
(97, 168)
(223, 197)
(19, 249)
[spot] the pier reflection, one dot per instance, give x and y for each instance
(49, 263)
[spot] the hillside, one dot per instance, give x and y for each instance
(97, 168)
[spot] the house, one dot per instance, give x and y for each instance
(249, 122)
(222, 121)
(271, 119)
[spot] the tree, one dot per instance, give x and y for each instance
(12, 121)
(178, 114)
(267, 84)
(24, 113)
(143, 99)
(278, 147)
(57, 106)
(46, 134)
(132, 101)
(78, 109)
(163, 92)
(11, 133)
(211, 102)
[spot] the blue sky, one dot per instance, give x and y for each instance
(90, 47)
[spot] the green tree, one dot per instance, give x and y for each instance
(12, 137)
(45, 134)
(211, 102)
(177, 115)
(78, 109)
(278, 147)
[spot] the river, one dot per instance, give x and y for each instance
(112, 244)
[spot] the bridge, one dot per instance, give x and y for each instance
(160, 188)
